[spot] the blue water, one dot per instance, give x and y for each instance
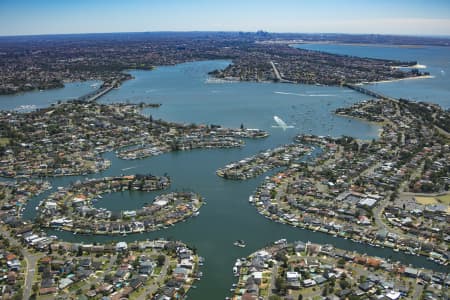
(437, 60)
(45, 98)
(187, 96)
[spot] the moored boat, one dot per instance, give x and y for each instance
(239, 243)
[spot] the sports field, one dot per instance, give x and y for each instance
(426, 200)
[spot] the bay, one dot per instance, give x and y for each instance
(188, 95)
(436, 60)
(28, 101)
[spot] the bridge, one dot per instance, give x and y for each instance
(278, 75)
(91, 97)
(368, 92)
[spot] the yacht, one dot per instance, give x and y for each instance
(239, 243)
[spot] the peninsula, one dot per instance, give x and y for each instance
(69, 138)
(372, 191)
(73, 209)
(257, 56)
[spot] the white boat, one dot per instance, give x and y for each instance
(239, 243)
(281, 241)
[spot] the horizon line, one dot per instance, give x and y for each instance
(224, 31)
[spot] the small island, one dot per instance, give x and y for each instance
(72, 209)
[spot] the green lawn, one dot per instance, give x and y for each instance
(4, 141)
(444, 199)
(157, 270)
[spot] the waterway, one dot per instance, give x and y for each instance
(38, 99)
(436, 60)
(187, 95)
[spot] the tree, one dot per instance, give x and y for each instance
(18, 295)
(341, 263)
(344, 284)
(326, 290)
(136, 264)
(362, 278)
(182, 291)
(108, 278)
(280, 284)
(161, 260)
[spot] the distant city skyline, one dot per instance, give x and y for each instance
(402, 17)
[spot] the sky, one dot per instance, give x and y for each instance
(410, 17)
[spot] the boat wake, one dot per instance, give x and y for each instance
(281, 124)
(129, 168)
(211, 80)
(25, 108)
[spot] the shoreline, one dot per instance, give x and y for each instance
(395, 80)
(354, 238)
(359, 44)
(298, 257)
(378, 124)
(416, 66)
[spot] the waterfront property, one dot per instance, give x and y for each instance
(72, 209)
(140, 270)
(254, 58)
(14, 196)
(262, 162)
(352, 189)
(216, 138)
(69, 138)
(254, 105)
(304, 270)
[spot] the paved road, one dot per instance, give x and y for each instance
(86, 286)
(278, 75)
(154, 287)
(31, 260)
(273, 279)
(105, 91)
(275, 71)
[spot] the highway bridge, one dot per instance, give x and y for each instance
(363, 90)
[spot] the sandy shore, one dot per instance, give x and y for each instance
(416, 66)
(360, 44)
(400, 79)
